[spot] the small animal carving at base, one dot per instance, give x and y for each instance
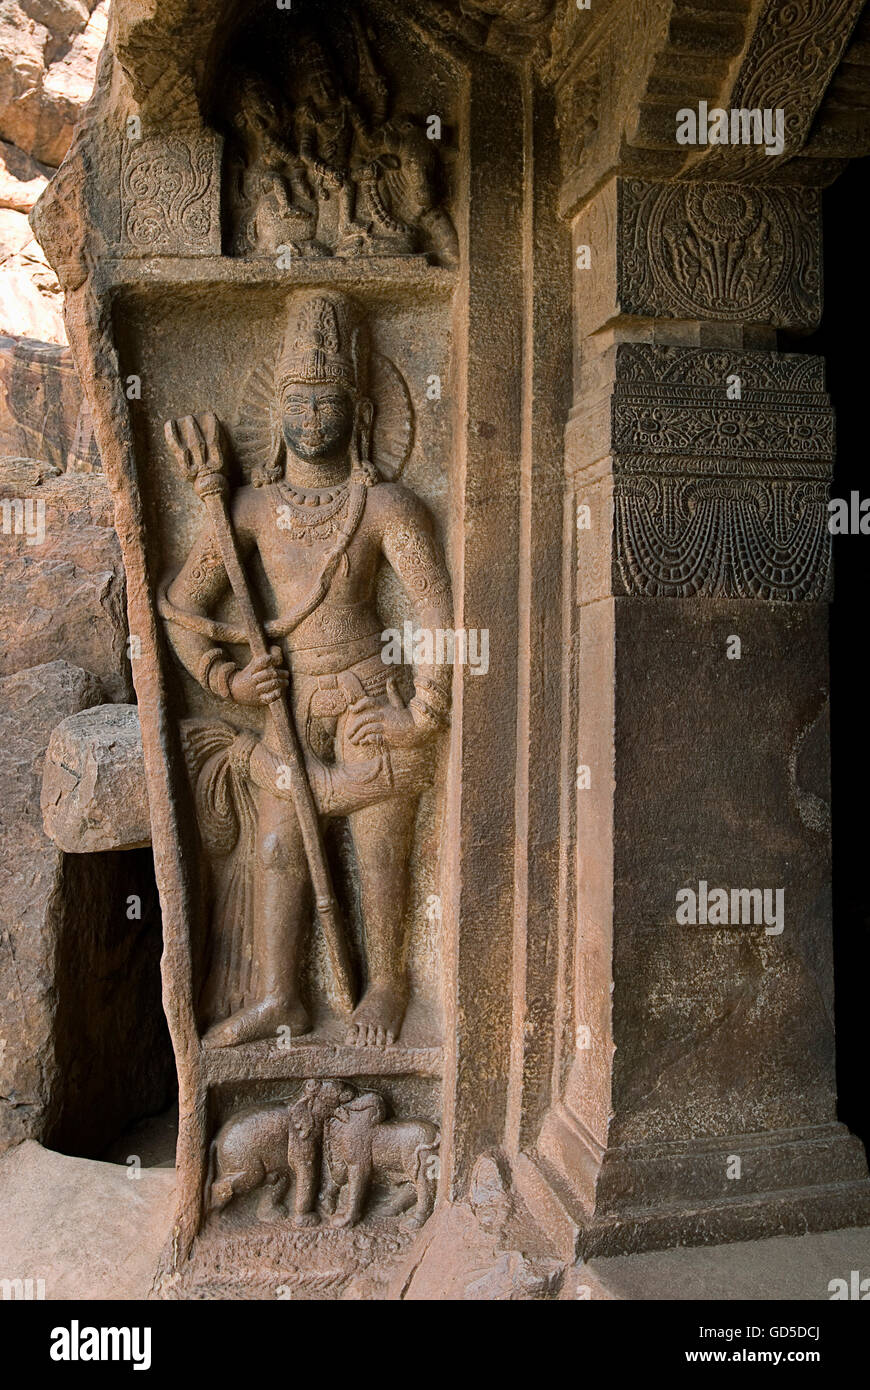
(360, 1145)
(331, 1130)
(264, 1146)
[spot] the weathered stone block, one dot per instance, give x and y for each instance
(83, 1044)
(93, 786)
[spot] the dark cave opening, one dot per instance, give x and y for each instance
(847, 306)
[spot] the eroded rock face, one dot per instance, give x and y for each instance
(50, 50)
(31, 304)
(93, 787)
(22, 178)
(63, 588)
(43, 414)
(48, 60)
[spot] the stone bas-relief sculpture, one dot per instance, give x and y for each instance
(593, 1064)
(355, 741)
(333, 1141)
(321, 166)
(304, 817)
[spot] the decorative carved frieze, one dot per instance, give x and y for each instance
(679, 537)
(710, 477)
(720, 251)
(596, 64)
(683, 407)
(170, 195)
(794, 52)
(803, 57)
(724, 252)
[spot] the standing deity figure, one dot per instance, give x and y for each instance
(315, 526)
(274, 205)
(327, 124)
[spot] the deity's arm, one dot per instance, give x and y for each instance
(412, 549)
(187, 605)
(306, 134)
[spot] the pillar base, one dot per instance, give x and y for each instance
(625, 1200)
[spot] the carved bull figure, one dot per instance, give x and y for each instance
(262, 1146)
(359, 1144)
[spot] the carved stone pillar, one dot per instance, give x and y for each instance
(695, 1097)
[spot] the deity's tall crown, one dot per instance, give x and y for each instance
(321, 344)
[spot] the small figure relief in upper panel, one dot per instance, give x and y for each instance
(321, 161)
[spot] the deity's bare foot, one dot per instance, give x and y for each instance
(377, 1019)
(303, 1219)
(341, 1219)
(263, 1020)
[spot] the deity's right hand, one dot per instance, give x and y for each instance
(329, 177)
(263, 681)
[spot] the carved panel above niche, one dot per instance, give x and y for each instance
(324, 157)
(170, 195)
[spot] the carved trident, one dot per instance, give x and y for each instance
(196, 446)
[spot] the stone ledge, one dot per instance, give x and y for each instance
(83, 1227)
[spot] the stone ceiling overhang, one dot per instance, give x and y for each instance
(624, 68)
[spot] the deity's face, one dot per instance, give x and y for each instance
(256, 114)
(317, 422)
(318, 82)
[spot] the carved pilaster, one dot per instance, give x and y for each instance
(682, 491)
(698, 555)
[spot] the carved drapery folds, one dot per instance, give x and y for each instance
(676, 538)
